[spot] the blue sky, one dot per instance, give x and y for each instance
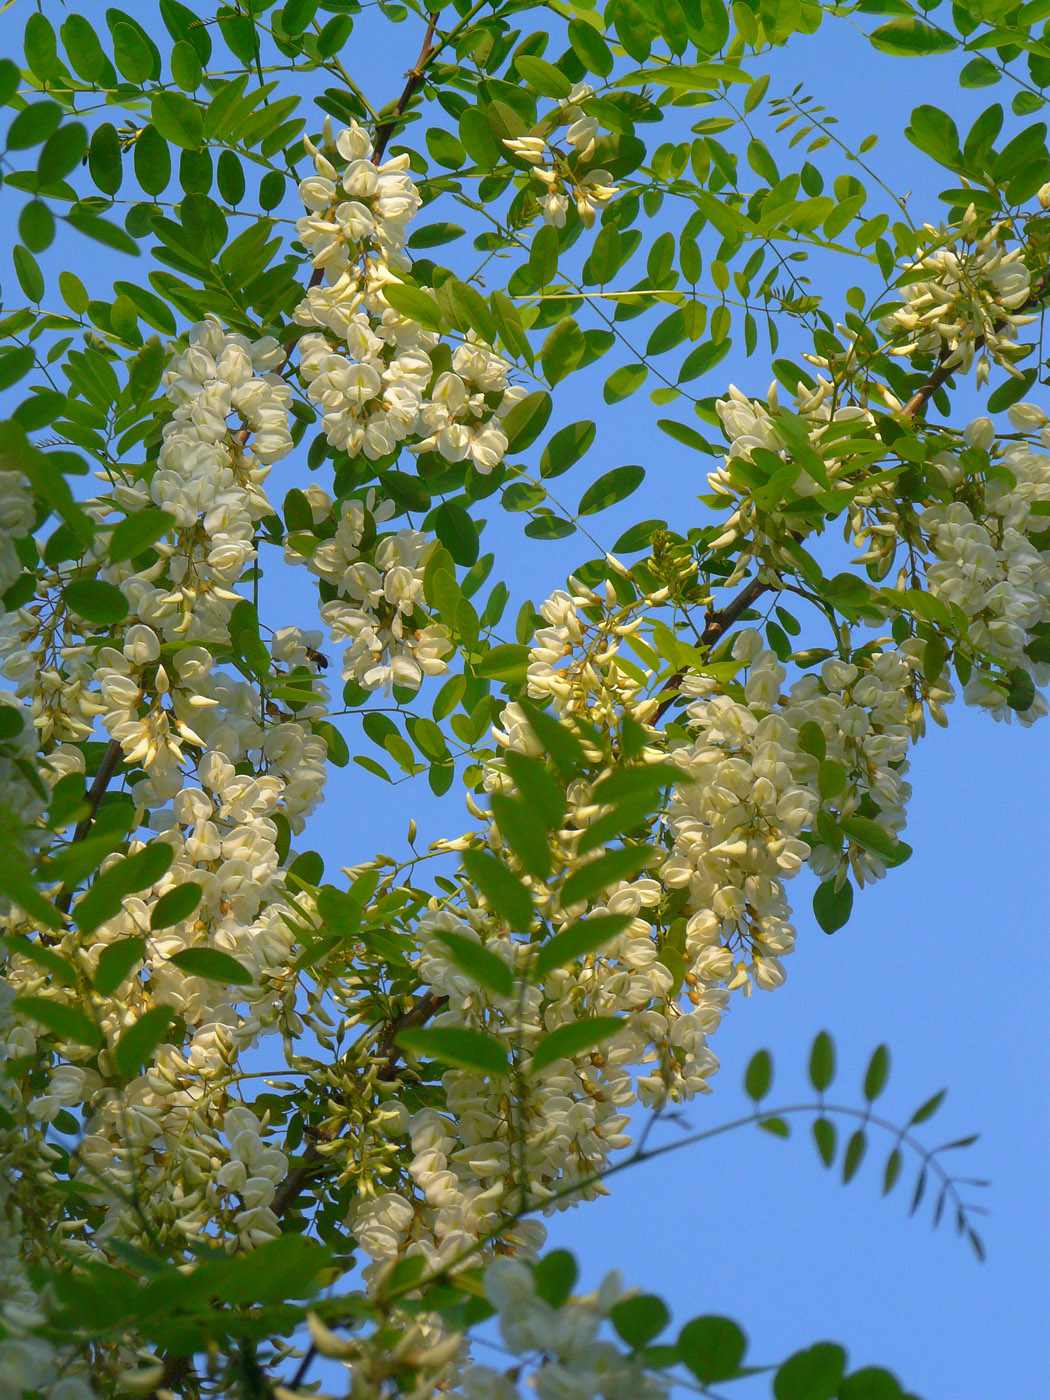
(943, 960)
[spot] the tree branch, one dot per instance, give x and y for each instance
(386, 128)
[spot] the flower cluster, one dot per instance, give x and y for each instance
(17, 515)
(964, 298)
(380, 379)
(763, 769)
(379, 605)
(557, 172)
(567, 1356)
(990, 557)
(778, 460)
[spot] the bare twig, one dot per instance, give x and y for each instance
(414, 76)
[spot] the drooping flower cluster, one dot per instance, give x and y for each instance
(764, 766)
(557, 173)
(380, 379)
(379, 606)
(566, 1355)
(969, 302)
(991, 558)
(17, 514)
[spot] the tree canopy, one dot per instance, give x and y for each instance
(266, 1125)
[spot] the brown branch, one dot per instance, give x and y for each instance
(107, 768)
(385, 129)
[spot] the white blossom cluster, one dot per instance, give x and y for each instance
(378, 376)
(746, 823)
(991, 556)
(28, 1364)
(575, 661)
(833, 431)
(379, 606)
(567, 1358)
(969, 301)
(215, 770)
(556, 174)
(17, 514)
(23, 794)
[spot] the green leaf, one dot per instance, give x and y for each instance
(115, 963)
(566, 448)
(854, 1155)
(102, 231)
(214, 965)
(53, 963)
(824, 1137)
(63, 151)
(877, 1073)
(813, 1374)
(934, 132)
(632, 30)
(27, 270)
(137, 532)
(590, 48)
(908, 37)
(415, 304)
(502, 889)
(537, 786)
(574, 1039)
(435, 235)
(135, 1047)
(95, 601)
(831, 906)
(758, 1077)
(831, 777)
(126, 876)
(822, 1062)
(177, 119)
(1021, 695)
(186, 66)
(543, 76)
(132, 55)
(16, 364)
(9, 80)
(622, 383)
(543, 255)
(64, 1021)
(892, 1171)
(979, 72)
(614, 486)
(870, 835)
(580, 938)
(461, 1048)
(527, 419)
(19, 887)
(598, 875)
(639, 1319)
(477, 961)
(562, 350)
(928, 1109)
(178, 904)
(523, 831)
(33, 125)
(712, 1348)
(555, 1277)
(871, 1383)
(506, 662)
(456, 531)
(152, 160)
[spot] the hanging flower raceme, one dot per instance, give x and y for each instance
(969, 302)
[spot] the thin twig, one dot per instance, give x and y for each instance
(386, 128)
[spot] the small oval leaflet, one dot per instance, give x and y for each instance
(213, 964)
